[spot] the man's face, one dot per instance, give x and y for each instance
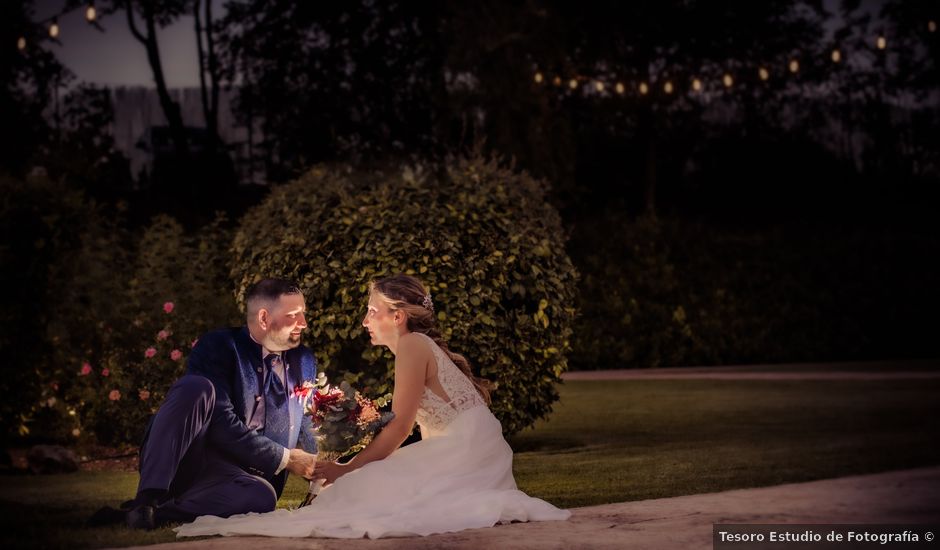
(285, 323)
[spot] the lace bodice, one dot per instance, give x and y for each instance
(434, 413)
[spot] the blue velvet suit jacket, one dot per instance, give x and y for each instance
(231, 360)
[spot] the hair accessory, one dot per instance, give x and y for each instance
(427, 303)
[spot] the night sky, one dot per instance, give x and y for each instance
(114, 57)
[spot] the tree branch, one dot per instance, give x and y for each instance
(202, 63)
(129, 9)
(213, 66)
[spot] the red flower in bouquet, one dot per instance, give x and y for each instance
(326, 397)
(345, 420)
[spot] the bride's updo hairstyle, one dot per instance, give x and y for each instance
(406, 293)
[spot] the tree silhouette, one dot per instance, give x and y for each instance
(326, 80)
(145, 18)
(29, 80)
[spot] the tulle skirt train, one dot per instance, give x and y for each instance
(458, 479)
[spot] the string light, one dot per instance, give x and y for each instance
(882, 43)
(763, 73)
(794, 66)
(54, 29)
(932, 26)
(644, 88)
(667, 87)
(556, 81)
(21, 43)
(90, 13)
(696, 85)
(836, 56)
(538, 78)
(727, 80)
(573, 83)
(599, 86)
(619, 87)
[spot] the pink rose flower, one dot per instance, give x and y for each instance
(114, 395)
(150, 352)
(86, 370)
(105, 372)
(176, 354)
(163, 335)
(144, 395)
(168, 307)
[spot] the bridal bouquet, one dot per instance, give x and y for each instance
(344, 419)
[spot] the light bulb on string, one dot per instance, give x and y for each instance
(836, 55)
(573, 83)
(696, 85)
(21, 43)
(763, 73)
(881, 43)
(931, 26)
(54, 29)
(727, 80)
(619, 87)
(599, 86)
(667, 87)
(538, 78)
(90, 13)
(794, 66)
(556, 81)
(644, 88)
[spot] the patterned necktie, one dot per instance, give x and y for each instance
(273, 385)
(277, 415)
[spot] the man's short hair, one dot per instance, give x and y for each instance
(266, 291)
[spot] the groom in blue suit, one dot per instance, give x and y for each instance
(225, 438)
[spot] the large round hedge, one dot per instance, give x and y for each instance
(480, 235)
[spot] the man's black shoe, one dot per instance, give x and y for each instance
(141, 517)
(107, 516)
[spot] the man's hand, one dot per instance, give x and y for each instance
(302, 463)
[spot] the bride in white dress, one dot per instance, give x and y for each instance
(459, 476)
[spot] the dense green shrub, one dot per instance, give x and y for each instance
(118, 298)
(631, 311)
(670, 292)
(39, 220)
(481, 236)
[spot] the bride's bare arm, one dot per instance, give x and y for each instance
(411, 364)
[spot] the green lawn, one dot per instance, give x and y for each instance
(616, 441)
(606, 442)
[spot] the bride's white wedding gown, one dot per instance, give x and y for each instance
(459, 476)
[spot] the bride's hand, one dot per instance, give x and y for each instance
(330, 471)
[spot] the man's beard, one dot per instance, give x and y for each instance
(287, 342)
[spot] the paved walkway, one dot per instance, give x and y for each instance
(876, 370)
(904, 497)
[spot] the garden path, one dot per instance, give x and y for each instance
(874, 370)
(901, 497)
